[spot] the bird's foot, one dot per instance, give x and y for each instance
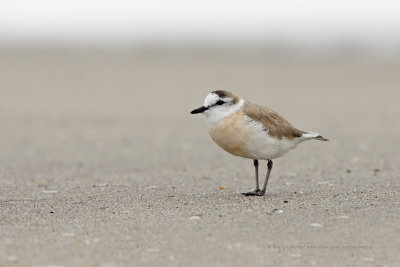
(256, 192)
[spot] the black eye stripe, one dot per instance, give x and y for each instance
(220, 102)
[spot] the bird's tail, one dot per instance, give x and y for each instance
(312, 135)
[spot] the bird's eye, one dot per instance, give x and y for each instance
(220, 102)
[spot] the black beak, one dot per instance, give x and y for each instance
(199, 110)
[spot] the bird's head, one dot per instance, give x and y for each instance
(218, 105)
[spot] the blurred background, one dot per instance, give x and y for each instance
(320, 63)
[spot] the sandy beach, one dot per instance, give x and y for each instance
(101, 163)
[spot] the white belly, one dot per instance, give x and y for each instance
(263, 146)
(244, 138)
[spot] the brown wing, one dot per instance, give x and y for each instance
(276, 125)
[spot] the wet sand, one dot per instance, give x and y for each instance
(101, 163)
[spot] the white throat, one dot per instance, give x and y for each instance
(218, 113)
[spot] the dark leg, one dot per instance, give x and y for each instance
(269, 164)
(253, 193)
(262, 192)
(256, 168)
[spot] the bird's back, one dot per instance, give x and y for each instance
(273, 123)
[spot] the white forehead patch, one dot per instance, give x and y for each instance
(211, 99)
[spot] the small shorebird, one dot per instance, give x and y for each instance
(251, 131)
